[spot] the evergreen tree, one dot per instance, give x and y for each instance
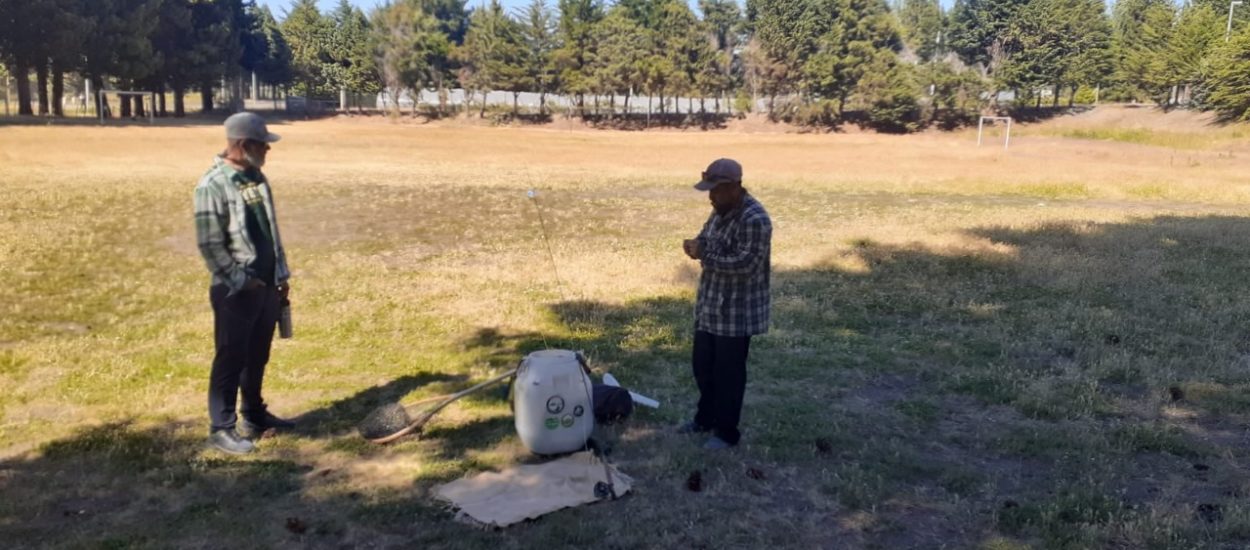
(1194, 39)
(623, 54)
(310, 37)
(1142, 32)
(576, 31)
(921, 22)
(860, 32)
(354, 66)
(493, 54)
(538, 33)
(452, 17)
(977, 30)
(888, 92)
(117, 43)
(724, 21)
(275, 68)
(412, 50)
(1228, 78)
(1059, 44)
(786, 33)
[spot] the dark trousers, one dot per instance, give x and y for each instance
(720, 370)
(243, 327)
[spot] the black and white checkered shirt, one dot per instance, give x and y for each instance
(733, 297)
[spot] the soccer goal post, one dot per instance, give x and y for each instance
(149, 96)
(992, 120)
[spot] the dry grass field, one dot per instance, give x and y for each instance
(1047, 347)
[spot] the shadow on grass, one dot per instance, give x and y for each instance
(1012, 385)
(641, 121)
(1044, 113)
(343, 414)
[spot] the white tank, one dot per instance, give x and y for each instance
(553, 403)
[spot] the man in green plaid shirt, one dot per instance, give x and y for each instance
(733, 301)
(238, 237)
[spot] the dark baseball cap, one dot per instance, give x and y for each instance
(720, 171)
(249, 126)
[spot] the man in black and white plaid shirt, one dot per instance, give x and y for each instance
(237, 231)
(733, 302)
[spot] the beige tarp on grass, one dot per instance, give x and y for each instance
(526, 492)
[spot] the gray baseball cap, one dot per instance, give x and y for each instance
(720, 171)
(249, 126)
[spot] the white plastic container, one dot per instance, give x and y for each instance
(553, 403)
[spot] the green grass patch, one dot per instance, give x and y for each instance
(1073, 518)
(1157, 438)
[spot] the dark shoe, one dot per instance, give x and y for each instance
(692, 428)
(228, 441)
(252, 427)
(716, 444)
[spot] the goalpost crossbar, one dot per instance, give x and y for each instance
(981, 128)
(150, 96)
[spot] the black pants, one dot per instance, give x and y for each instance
(243, 327)
(720, 370)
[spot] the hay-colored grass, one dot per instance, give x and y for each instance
(1043, 347)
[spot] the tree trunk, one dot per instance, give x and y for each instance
(206, 98)
(542, 103)
(180, 106)
(648, 109)
(482, 112)
(41, 80)
(516, 107)
(702, 105)
(58, 90)
(22, 75)
(1072, 97)
(127, 110)
(160, 98)
(140, 110)
(1055, 100)
(626, 105)
(101, 106)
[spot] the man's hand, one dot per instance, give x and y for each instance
(692, 248)
(284, 289)
(253, 283)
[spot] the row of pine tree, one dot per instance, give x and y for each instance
(897, 67)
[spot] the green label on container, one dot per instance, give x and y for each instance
(552, 423)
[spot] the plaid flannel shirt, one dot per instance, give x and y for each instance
(221, 200)
(733, 297)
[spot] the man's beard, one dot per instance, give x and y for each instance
(726, 207)
(254, 161)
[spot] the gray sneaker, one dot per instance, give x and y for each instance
(228, 441)
(716, 444)
(254, 428)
